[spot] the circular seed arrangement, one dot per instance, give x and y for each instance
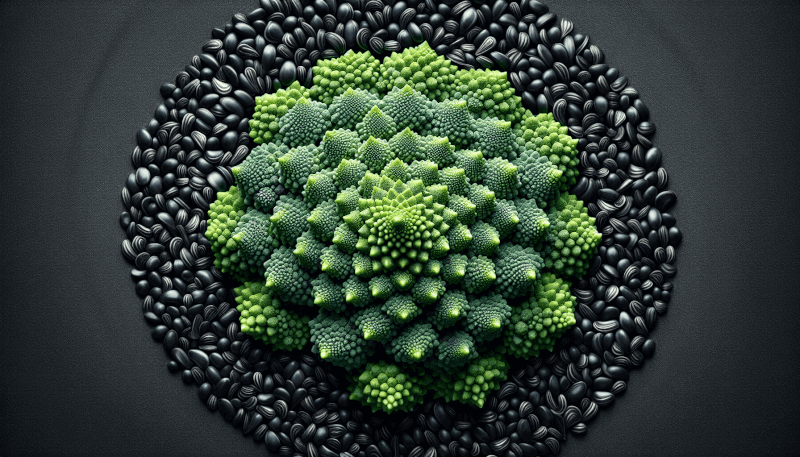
(401, 228)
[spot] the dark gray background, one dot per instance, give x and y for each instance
(79, 373)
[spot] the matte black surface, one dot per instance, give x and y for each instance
(81, 375)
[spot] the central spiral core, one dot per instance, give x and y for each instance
(403, 227)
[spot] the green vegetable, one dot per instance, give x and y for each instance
(539, 321)
(409, 222)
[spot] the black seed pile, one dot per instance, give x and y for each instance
(297, 404)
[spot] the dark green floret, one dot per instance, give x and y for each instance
(455, 350)
(487, 317)
(338, 342)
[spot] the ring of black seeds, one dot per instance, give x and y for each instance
(293, 402)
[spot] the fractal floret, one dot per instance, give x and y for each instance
(409, 222)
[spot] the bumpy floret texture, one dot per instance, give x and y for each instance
(332, 77)
(387, 387)
(488, 94)
(539, 177)
(304, 123)
(487, 317)
(538, 322)
(337, 340)
(403, 211)
(474, 382)
(455, 350)
(223, 216)
(269, 108)
(573, 238)
(254, 240)
(544, 135)
(264, 317)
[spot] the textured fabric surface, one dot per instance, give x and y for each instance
(81, 374)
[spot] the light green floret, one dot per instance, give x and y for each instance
(455, 350)
(259, 171)
(349, 173)
(376, 124)
(471, 384)
(505, 218)
(480, 274)
(223, 216)
(427, 290)
(494, 138)
(396, 170)
(336, 263)
(356, 292)
(540, 179)
(464, 208)
(337, 145)
(483, 198)
(488, 94)
(255, 241)
(501, 177)
(573, 238)
(269, 108)
(286, 279)
(452, 120)
(472, 162)
(450, 309)
(402, 228)
(375, 325)
(459, 238)
(349, 109)
(304, 123)
(455, 180)
(374, 153)
(414, 344)
(381, 287)
(347, 200)
(427, 172)
(323, 220)
(487, 317)
(336, 341)
(345, 239)
(419, 67)
(319, 188)
(295, 167)
(550, 139)
(262, 317)
(539, 322)
(408, 108)
(328, 294)
(401, 308)
(439, 193)
(485, 240)
(333, 76)
(533, 223)
(454, 268)
(387, 388)
(407, 146)
(367, 183)
(289, 219)
(517, 270)
(439, 150)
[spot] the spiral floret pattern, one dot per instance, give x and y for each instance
(407, 215)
